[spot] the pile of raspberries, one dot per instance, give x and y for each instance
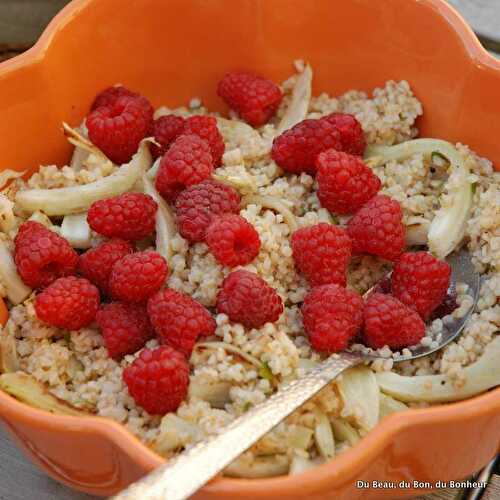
(123, 289)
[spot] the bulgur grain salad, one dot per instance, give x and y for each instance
(230, 365)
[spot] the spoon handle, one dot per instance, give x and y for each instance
(180, 477)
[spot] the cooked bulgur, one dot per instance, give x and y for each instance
(238, 367)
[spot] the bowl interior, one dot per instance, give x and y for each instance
(172, 51)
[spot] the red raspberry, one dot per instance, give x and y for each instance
(253, 97)
(322, 253)
(187, 162)
(69, 303)
(196, 205)
(206, 128)
(389, 322)
(345, 183)
(247, 299)
(96, 264)
(42, 256)
(108, 96)
(158, 380)
(179, 320)
(332, 316)
(165, 130)
(352, 137)
(377, 228)
(135, 277)
(130, 216)
(232, 240)
(295, 150)
(125, 328)
(118, 128)
(421, 281)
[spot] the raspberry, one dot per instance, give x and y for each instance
(196, 205)
(345, 183)
(187, 162)
(130, 216)
(421, 281)
(232, 240)
(125, 328)
(118, 128)
(42, 256)
(295, 150)
(158, 380)
(179, 320)
(205, 127)
(253, 97)
(108, 96)
(389, 322)
(377, 228)
(322, 253)
(135, 277)
(352, 137)
(96, 264)
(332, 316)
(69, 303)
(165, 130)
(247, 299)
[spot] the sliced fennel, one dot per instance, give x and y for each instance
(299, 437)
(165, 222)
(17, 291)
(255, 467)
(81, 144)
(243, 182)
(27, 389)
(41, 218)
(300, 464)
(7, 175)
(78, 158)
(215, 393)
(360, 395)
(272, 203)
(9, 361)
(390, 405)
(448, 226)
(344, 431)
(323, 436)
(151, 173)
(417, 231)
(480, 376)
(301, 96)
(76, 230)
(80, 154)
(7, 217)
(75, 199)
(270, 444)
(175, 433)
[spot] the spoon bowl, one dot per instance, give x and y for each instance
(462, 271)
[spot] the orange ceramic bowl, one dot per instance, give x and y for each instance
(172, 50)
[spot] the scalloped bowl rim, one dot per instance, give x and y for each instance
(340, 467)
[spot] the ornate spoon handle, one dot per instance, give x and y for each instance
(183, 475)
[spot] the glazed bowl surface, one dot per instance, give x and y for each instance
(176, 49)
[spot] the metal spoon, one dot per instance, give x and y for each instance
(183, 475)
